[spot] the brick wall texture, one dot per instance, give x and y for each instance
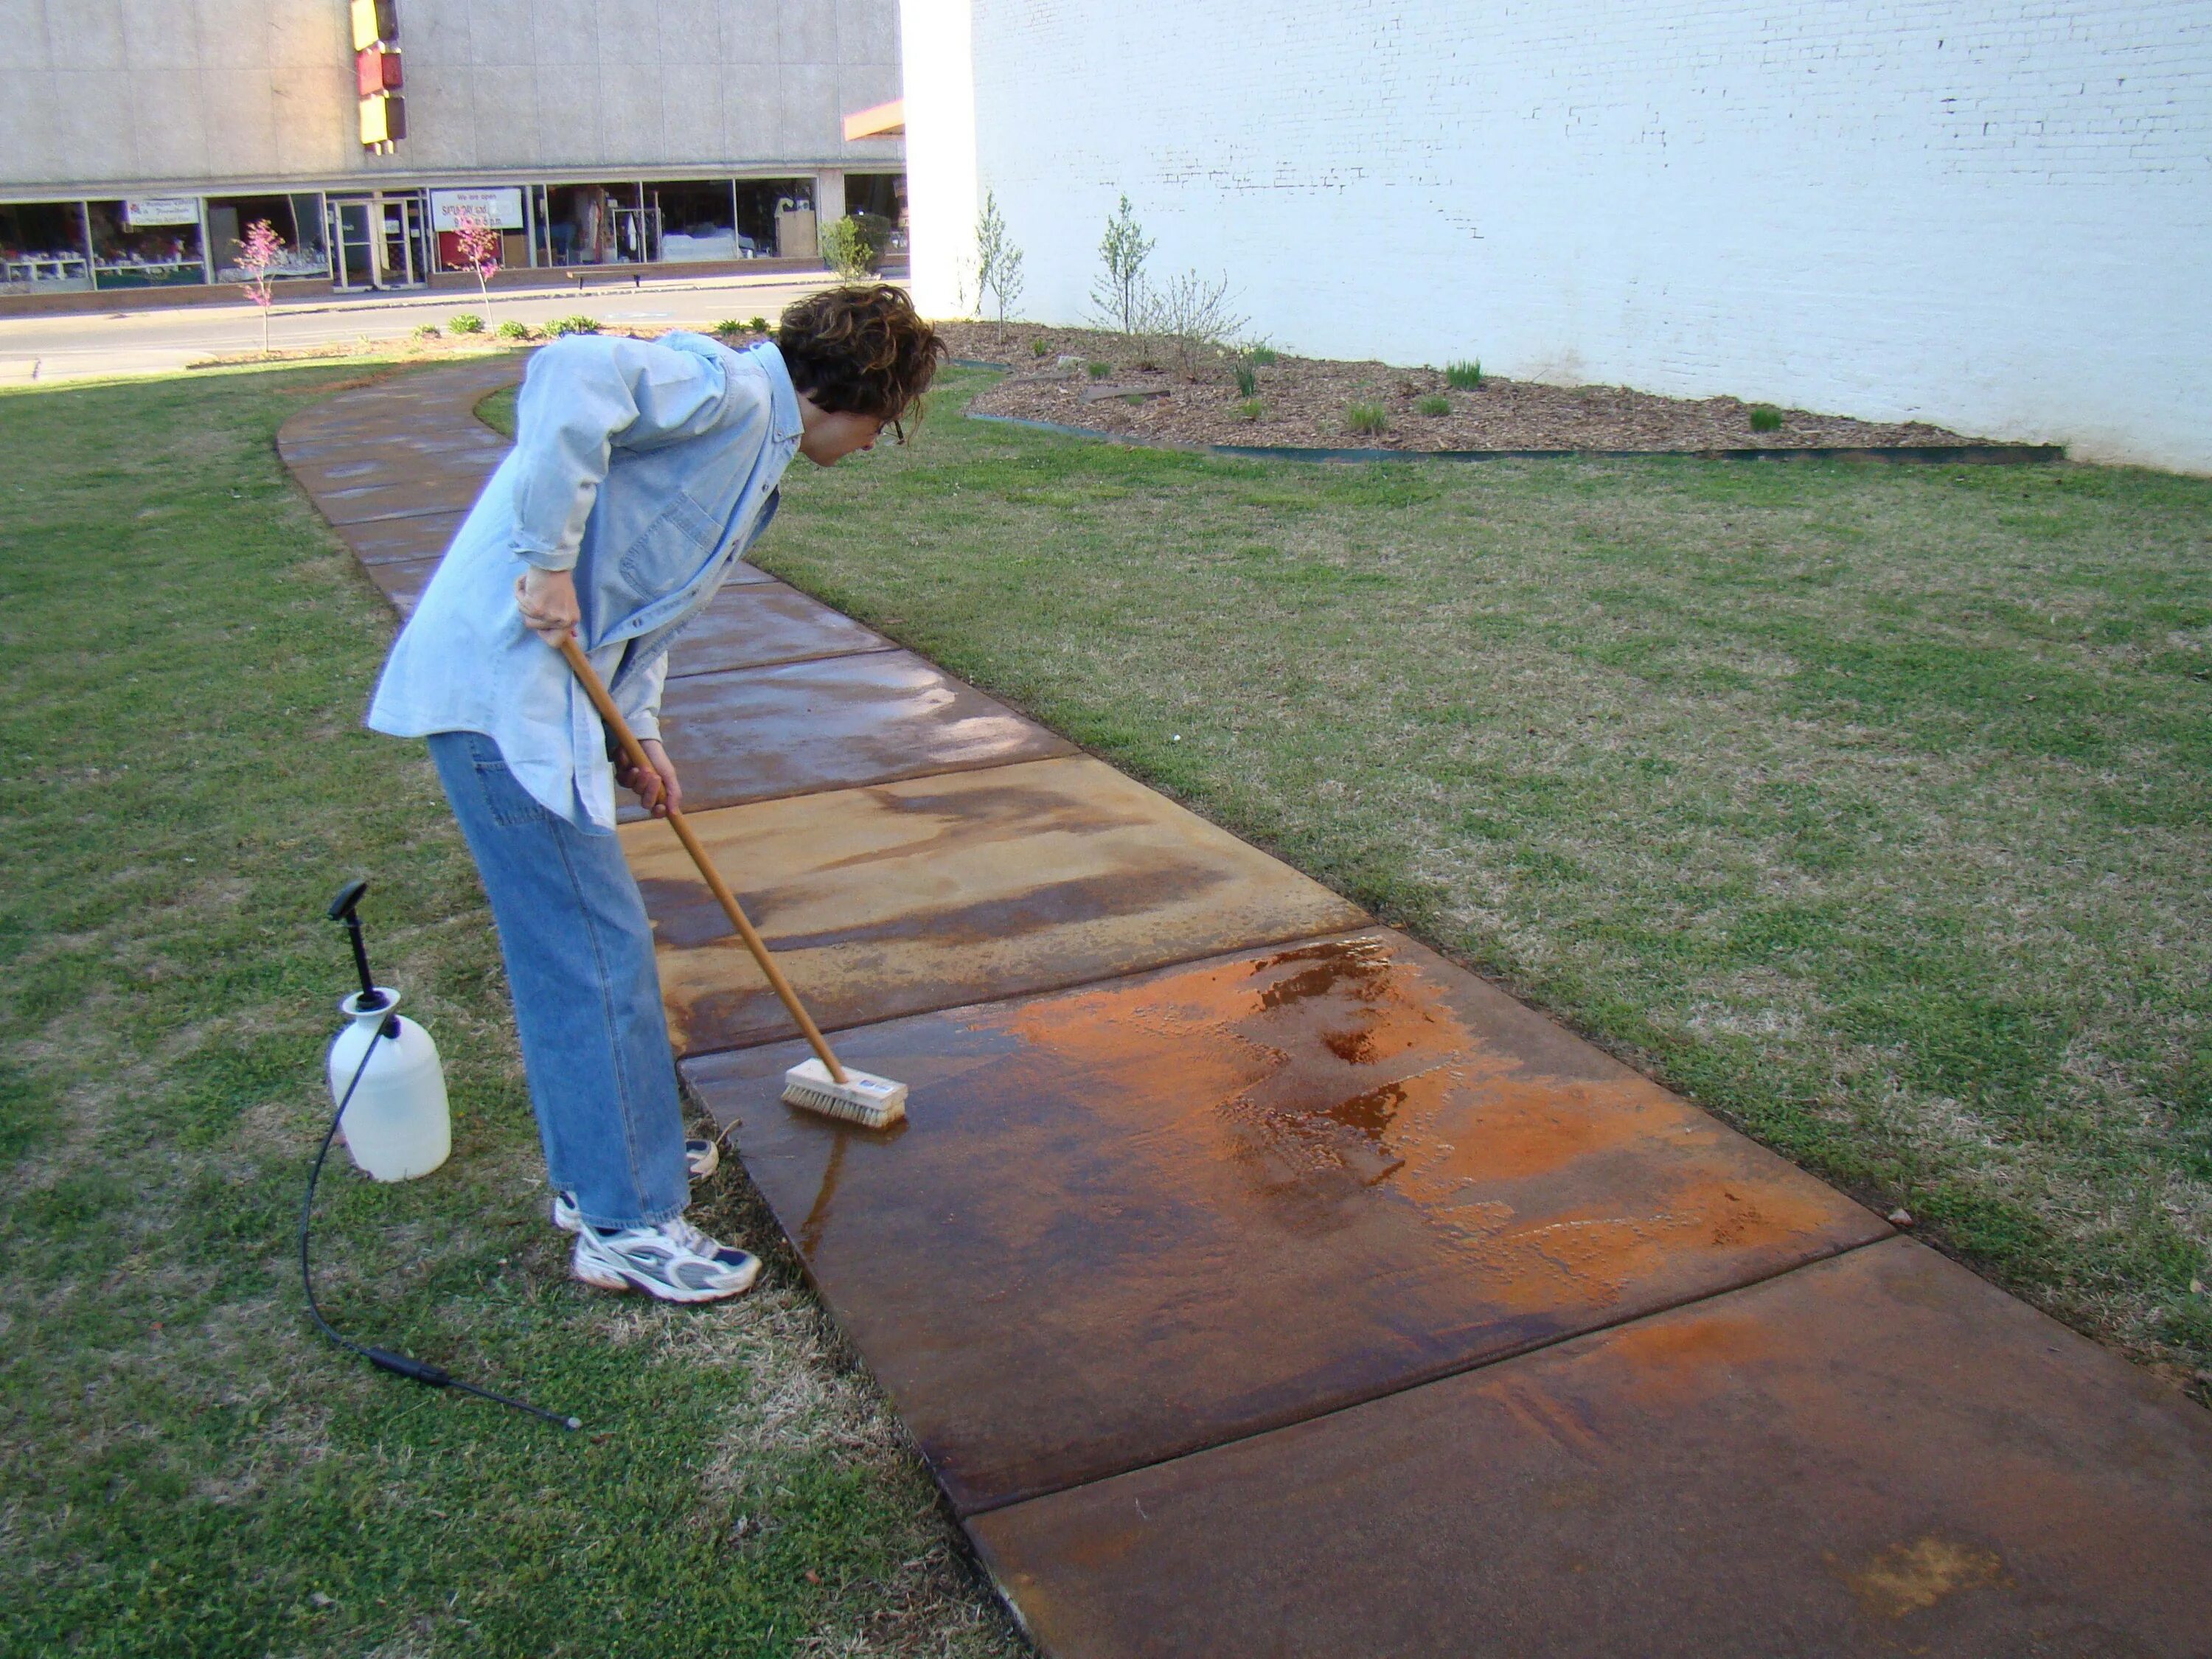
(1995, 216)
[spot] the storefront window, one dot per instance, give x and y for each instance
(697, 220)
(594, 225)
(297, 219)
(777, 216)
(880, 196)
(499, 206)
(42, 248)
(151, 241)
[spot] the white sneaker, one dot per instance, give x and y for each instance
(700, 1157)
(673, 1261)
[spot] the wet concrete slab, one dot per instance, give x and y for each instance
(756, 622)
(1127, 1221)
(429, 413)
(403, 582)
(842, 722)
(1879, 1455)
(958, 888)
(369, 463)
(448, 418)
(435, 492)
(395, 541)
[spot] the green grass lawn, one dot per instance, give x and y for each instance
(1867, 805)
(184, 1468)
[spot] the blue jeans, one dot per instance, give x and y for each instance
(587, 993)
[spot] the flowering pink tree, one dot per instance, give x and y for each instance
(477, 240)
(257, 255)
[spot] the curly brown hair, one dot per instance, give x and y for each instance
(860, 350)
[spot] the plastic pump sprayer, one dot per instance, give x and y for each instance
(406, 1132)
(397, 1127)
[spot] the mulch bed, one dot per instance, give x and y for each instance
(1147, 396)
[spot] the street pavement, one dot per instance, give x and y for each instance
(84, 345)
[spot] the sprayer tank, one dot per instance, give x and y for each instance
(397, 1126)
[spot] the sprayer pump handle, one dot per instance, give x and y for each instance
(342, 907)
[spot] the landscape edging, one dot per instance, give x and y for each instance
(1963, 454)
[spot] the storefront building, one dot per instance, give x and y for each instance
(142, 155)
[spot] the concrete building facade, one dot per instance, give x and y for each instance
(1994, 216)
(593, 131)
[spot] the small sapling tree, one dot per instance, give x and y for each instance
(1120, 294)
(257, 256)
(997, 262)
(476, 239)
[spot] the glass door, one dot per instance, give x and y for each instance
(353, 253)
(406, 250)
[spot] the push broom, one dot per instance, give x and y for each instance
(819, 1085)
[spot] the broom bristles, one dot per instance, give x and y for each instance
(869, 1101)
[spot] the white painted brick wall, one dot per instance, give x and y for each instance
(1997, 216)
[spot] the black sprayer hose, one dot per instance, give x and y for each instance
(385, 1359)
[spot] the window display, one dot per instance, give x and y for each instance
(777, 216)
(297, 218)
(43, 248)
(595, 225)
(880, 196)
(698, 221)
(150, 241)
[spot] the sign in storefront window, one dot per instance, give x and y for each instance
(153, 212)
(499, 206)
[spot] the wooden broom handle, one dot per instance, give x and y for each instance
(582, 667)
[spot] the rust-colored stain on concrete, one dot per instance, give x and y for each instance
(963, 887)
(1136, 1218)
(756, 622)
(1908, 1578)
(833, 724)
(1902, 1460)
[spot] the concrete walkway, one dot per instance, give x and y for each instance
(1257, 1282)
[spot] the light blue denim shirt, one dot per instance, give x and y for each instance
(648, 467)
